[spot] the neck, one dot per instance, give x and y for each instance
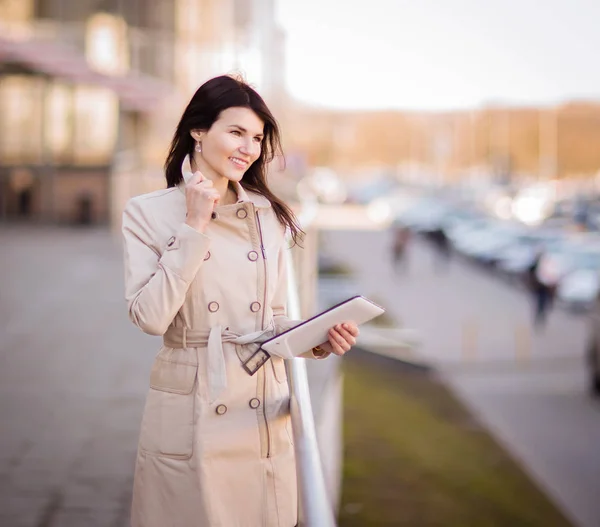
(220, 183)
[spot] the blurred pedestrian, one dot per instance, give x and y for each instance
(205, 269)
(442, 248)
(401, 237)
(542, 292)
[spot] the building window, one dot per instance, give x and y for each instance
(96, 124)
(58, 125)
(107, 49)
(20, 119)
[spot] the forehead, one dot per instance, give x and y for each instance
(244, 117)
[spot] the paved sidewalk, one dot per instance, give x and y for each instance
(72, 384)
(528, 388)
(73, 379)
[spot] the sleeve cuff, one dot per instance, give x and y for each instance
(319, 353)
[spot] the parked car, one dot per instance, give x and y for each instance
(427, 215)
(490, 249)
(487, 241)
(520, 256)
(593, 351)
(579, 286)
(468, 234)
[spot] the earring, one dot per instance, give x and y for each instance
(198, 147)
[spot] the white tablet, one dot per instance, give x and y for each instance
(314, 331)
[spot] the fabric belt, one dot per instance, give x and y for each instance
(247, 348)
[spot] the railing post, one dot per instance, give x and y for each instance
(314, 506)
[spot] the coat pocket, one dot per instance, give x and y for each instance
(278, 365)
(168, 421)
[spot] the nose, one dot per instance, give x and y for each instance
(249, 148)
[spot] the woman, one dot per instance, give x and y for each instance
(205, 269)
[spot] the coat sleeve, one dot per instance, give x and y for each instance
(279, 303)
(157, 281)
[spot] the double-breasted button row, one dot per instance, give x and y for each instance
(241, 214)
(213, 307)
(252, 256)
(254, 403)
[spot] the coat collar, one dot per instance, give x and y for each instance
(259, 201)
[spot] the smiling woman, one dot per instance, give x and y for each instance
(205, 269)
(227, 119)
(228, 148)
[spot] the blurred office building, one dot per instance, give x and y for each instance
(91, 91)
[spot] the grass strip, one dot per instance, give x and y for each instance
(414, 456)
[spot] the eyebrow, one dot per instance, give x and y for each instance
(243, 129)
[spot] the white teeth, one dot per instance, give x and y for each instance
(237, 161)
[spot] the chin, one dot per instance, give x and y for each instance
(234, 175)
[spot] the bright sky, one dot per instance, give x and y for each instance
(441, 54)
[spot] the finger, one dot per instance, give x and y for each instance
(352, 328)
(335, 347)
(196, 178)
(206, 183)
(346, 335)
(339, 339)
(212, 194)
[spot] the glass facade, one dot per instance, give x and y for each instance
(58, 119)
(21, 119)
(96, 118)
(46, 121)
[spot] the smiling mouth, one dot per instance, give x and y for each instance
(240, 163)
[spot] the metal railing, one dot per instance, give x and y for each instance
(314, 506)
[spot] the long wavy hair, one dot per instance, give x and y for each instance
(213, 97)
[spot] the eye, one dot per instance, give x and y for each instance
(237, 133)
(258, 140)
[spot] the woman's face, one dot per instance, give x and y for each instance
(231, 144)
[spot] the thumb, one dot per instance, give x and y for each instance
(196, 178)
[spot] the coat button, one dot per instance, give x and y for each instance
(213, 307)
(214, 215)
(207, 256)
(253, 256)
(221, 409)
(242, 213)
(254, 307)
(171, 241)
(254, 403)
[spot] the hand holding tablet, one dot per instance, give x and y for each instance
(316, 331)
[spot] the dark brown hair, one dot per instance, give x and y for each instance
(213, 97)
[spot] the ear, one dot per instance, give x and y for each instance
(197, 134)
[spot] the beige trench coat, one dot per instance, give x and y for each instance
(215, 445)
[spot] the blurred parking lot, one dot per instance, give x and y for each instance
(530, 387)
